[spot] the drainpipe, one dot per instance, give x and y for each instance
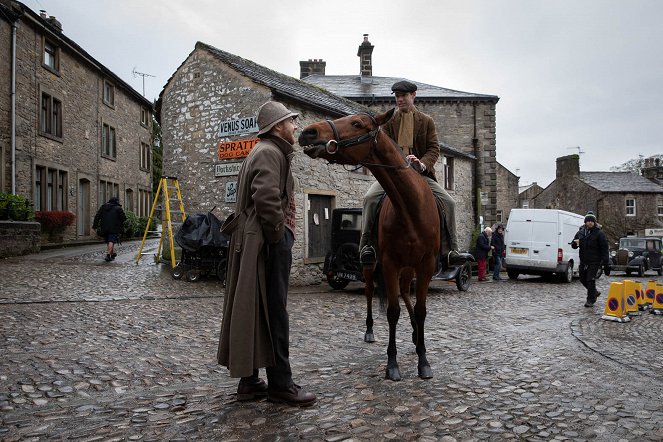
(13, 109)
(477, 166)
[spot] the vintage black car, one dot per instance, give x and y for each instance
(637, 254)
(342, 264)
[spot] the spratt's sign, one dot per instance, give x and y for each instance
(239, 126)
(235, 149)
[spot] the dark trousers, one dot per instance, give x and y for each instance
(588, 279)
(278, 265)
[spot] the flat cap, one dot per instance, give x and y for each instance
(403, 86)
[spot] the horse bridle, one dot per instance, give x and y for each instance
(361, 139)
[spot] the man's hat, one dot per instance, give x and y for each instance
(590, 216)
(403, 86)
(272, 113)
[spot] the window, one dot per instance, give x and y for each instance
(498, 216)
(108, 145)
(448, 163)
(630, 207)
(109, 93)
(50, 189)
(51, 56)
(50, 116)
(107, 190)
(129, 200)
(144, 117)
(659, 206)
(525, 204)
(145, 156)
(144, 197)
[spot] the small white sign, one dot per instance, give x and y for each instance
(227, 169)
(654, 232)
(238, 126)
(231, 192)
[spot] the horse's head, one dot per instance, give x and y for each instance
(347, 140)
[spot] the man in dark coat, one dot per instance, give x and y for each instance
(497, 244)
(255, 328)
(109, 221)
(483, 247)
(594, 253)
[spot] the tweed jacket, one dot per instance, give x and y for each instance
(425, 144)
(264, 187)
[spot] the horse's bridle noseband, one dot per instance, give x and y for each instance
(373, 134)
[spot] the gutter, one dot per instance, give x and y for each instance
(13, 109)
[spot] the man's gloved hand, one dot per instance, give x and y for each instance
(416, 164)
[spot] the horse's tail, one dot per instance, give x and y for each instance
(380, 287)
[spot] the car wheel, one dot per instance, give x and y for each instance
(659, 271)
(193, 275)
(628, 272)
(567, 276)
(641, 270)
(513, 274)
(337, 283)
(221, 270)
(177, 272)
(464, 277)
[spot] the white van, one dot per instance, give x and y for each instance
(538, 242)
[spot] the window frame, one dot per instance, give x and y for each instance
(106, 130)
(627, 206)
(50, 188)
(659, 206)
(55, 54)
(448, 168)
(145, 159)
(144, 116)
(108, 99)
(50, 115)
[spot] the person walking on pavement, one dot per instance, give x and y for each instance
(483, 247)
(415, 134)
(497, 245)
(109, 222)
(594, 253)
(255, 328)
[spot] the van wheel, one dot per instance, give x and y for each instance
(513, 274)
(568, 275)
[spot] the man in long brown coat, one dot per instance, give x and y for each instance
(255, 329)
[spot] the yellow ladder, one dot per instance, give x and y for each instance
(164, 182)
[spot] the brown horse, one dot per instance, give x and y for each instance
(408, 225)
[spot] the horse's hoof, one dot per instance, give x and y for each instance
(393, 374)
(368, 337)
(425, 372)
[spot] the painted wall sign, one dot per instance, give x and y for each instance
(239, 126)
(231, 192)
(236, 149)
(227, 169)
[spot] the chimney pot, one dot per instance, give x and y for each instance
(312, 66)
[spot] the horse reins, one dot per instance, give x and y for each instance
(361, 139)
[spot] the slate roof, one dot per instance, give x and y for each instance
(450, 150)
(287, 86)
(379, 88)
(620, 182)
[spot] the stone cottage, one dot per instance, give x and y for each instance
(624, 202)
(74, 134)
(465, 121)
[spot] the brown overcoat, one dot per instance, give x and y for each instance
(264, 186)
(425, 144)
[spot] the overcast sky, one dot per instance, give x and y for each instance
(570, 74)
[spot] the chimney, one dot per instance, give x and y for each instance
(364, 53)
(653, 170)
(310, 67)
(54, 22)
(568, 166)
(43, 14)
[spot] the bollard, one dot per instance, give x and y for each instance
(650, 292)
(631, 295)
(657, 304)
(615, 309)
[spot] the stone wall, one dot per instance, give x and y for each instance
(79, 86)
(19, 238)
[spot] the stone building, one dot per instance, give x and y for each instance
(464, 121)
(74, 134)
(625, 203)
(507, 193)
(207, 112)
(527, 193)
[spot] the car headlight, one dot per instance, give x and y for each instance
(613, 253)
(630, 254)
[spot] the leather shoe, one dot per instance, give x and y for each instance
(248, 390)
(293, 396)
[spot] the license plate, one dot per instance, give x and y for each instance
(518, 251)
(348, 276)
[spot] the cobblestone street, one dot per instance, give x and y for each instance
(115, 351)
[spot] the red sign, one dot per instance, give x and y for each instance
(236, 149)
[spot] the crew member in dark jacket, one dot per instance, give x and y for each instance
(483, 247)
(593, 253)
(497, 244)
(110, 221)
